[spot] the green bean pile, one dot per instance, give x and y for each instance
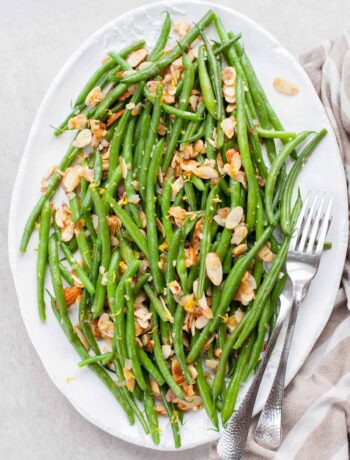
(175, 183)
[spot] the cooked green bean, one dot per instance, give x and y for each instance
(44, 232)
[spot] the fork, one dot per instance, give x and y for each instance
(233, 439)
(303, 259)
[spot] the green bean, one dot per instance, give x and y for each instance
(158, 49)
(205, 241)
(193, 126)
(231, 284)
(204, 391)
(128, 158)
(112, 278)
(268, 283)
(165, 206)
(178, 342)
(140, 283)
(209, 128)
(158, 305)
(242, 139)
(274, 171)
(159, 358)
(44, 232)
(166, 60)
(65, 273)
(170, 110)
(118, 312)
(84, 322)
(255, 144)
(120, 130)
(225, 236)
(130, 339)
(103, 69)
(288, 188)
(272, 134)
(104, 358)
(82, 241)
(198, 135)
(150, 367)
(216, 78)
(220, 48)
(152, 237)
(140, 138)
(169, 266)
(151, 139)
(123, 65)
(76, 267)
(113, 182)
(205, 84)
(129, 224)
(152, 416)
(188, 83)
(172, 414)
(96, 369)
(103, 232)
(233, 387)
(51, 189)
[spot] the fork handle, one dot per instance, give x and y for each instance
(268, 432)
(234, 438)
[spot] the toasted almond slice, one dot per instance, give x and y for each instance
(83, 139)
(265, 253)
(71, 294)
(285, 86)
(211, 364)
(201, 322)
(234, 217)
(94, 97)
(136, 57)
(228, 126)
(206, 172)
(214, 268)
(77, 122)
(81, 336)
(177, 372)
(240, 249)
(167, 351)
(229, 76)
(239, 234)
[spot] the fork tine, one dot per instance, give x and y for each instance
(298, 225)
(324, 227)
(315, 227)
(307, 225)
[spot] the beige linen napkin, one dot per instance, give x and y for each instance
(316, 412)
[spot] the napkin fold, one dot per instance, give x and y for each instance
(316, 410)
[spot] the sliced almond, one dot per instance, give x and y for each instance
(240, 233)
(265, 254)
(77, 122)
(83, 139)
(167, 351)
(71, 295)
(211, 364)
(285, 86)
(234, 217)
(228, 126)
(136, 57)
(214, 268)
(201, 322)
(94, 97)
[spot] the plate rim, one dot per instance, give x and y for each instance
(12, 243)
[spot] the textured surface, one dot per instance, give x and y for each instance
(36, 41)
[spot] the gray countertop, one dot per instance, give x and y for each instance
(36, 38)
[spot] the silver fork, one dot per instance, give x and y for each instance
(303, 259)
(233, 439)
